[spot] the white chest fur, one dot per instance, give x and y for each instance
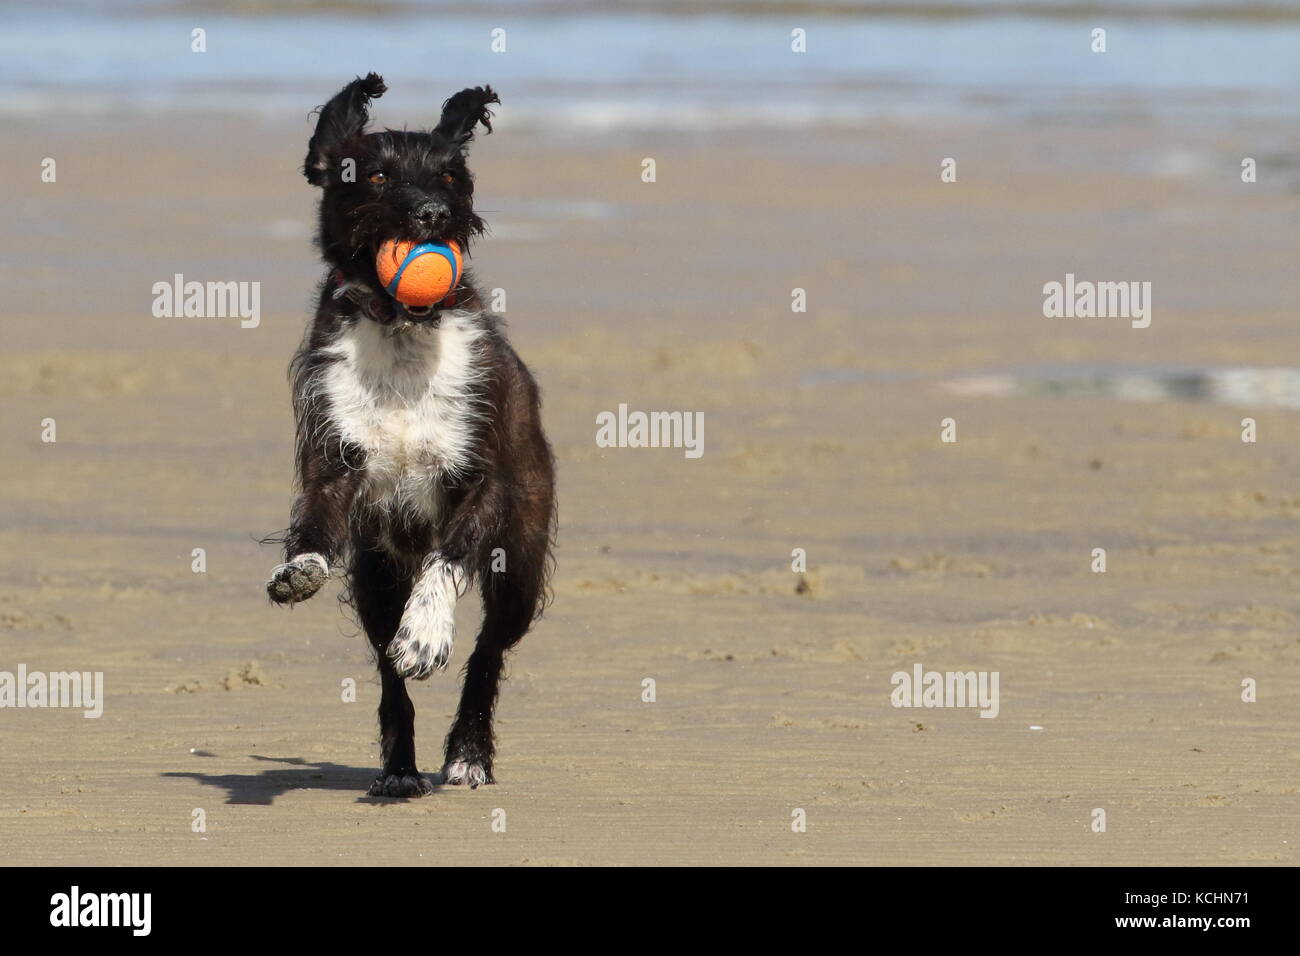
(405, 397)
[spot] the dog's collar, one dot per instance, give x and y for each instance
(371, 304)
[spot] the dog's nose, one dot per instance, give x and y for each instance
(430, 212)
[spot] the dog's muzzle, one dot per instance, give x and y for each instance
(386, 310)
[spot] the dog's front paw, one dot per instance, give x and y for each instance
(424, 638)
(421, 647)
(298, 579)
(406, 784)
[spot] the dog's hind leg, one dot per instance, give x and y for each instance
(470, 744)
(511, 599)
(380, 591)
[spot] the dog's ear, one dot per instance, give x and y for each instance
(342, 118)
(462, 112)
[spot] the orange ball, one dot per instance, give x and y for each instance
(418, 274)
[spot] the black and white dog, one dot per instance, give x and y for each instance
(422, 465)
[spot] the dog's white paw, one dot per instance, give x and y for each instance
(464, 772)
(297, 579)
(424, 638)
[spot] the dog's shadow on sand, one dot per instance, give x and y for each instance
(261, 789)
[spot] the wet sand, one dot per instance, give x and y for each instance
(822, 432)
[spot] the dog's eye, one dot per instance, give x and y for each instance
(378, 177)
(448, 178)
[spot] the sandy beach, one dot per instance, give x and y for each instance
(1119, 690)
